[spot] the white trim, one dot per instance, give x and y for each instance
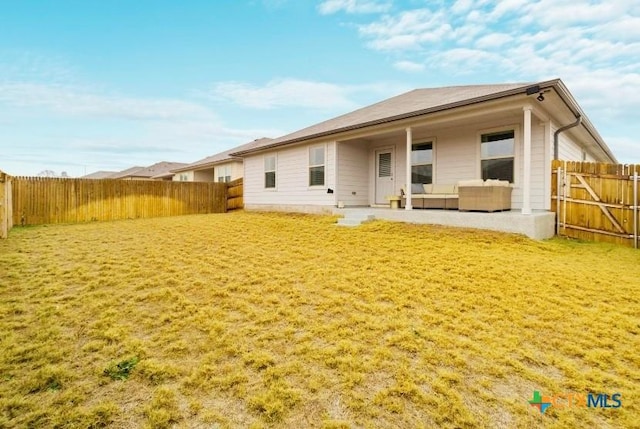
(324, 165)
(264, 172)
(226, 168)
(526, 161)
(382, 149)
(548, 154)
(431, 140)
(516, 150)
(407, 188)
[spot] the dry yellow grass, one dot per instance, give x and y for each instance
(266, 320)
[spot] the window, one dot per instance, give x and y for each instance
(184, 177)
(316, 166)
(224, 173)
(497, 155)
(422, 163)
(270, 171)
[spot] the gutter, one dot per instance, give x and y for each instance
(563, 93)
(556, 135)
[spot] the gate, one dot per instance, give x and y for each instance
(596, 201)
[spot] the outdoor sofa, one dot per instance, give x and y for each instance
(487, 196)
(432, 196)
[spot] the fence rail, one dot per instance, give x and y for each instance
(596, 201)
(39, 201)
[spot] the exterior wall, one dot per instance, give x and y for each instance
(236, 170)
(353, 174)
(203, 175)
(568, 149)
(178, 176)
(292, 179)
(350, 165)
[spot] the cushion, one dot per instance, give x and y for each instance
(474, 182)
(495, 182)
(416, 188)
(443, 189)
(427, 188)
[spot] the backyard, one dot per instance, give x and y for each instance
(274, 320)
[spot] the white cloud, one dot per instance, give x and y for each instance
(462, 6)
(106, 131)
(284, 93)
(567, 13)
(75, 101)
(493, 40)
(291, 93)
(408, 30)
(409, 66)
(505, 7)
(626, 149)
(329, 7)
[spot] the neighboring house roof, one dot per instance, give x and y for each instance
(129, 172)
(425, 101)
(221, 157)
(156, 169)
(99, 175)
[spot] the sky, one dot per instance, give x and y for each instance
(106, 85)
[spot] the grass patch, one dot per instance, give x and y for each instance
(122, 370)
(274, 320)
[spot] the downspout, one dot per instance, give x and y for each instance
(556, 135)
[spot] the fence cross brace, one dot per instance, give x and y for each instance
(602, 206)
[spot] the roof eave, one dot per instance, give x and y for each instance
(441, 108)
(206, 165)
(572, 104)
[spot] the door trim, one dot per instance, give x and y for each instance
(376, 151)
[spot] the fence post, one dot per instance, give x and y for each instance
(4, 206)
(636, 201)
(564, 198)
(558, 190)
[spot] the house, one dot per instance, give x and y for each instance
(432, 135)
(157, 171)
(221, 167)
(102, 174)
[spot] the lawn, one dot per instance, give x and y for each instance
(267, 320)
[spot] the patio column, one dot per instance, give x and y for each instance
(526, 160)
(408, 205)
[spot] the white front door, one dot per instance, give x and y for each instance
(384, 175)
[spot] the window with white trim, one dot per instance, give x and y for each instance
(224, 173)
(422, 163)
(316, 166)
(497, 155)
(184, 177)
(270, 172)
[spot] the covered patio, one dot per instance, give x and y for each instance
(538, 225)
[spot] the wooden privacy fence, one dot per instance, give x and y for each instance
(39, 201)
(234, 194)
(597, 202)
